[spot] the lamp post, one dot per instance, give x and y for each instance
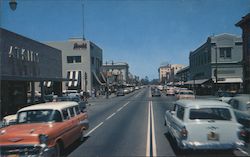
(13, 4)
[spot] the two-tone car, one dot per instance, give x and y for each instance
(204, 124)
(44, 130)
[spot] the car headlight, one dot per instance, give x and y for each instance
(43, 139)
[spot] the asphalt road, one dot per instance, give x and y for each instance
(130, 125)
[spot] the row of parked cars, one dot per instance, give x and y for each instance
(126, 90)
(45, 129)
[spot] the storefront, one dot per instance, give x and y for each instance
(25, 62)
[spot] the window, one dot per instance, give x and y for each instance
(77, 110)
(65, 114)
(74, 59)
(225, 52)
(210, 114)
(72, 113)
(39, 116)
(92, 60)
(180, 112)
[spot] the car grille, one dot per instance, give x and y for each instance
(21, 150)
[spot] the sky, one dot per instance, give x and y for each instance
(144, 33)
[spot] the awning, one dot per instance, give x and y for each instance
(228, 80)
(98, 80)
(103, 78)
(74, 78)
(196, 81)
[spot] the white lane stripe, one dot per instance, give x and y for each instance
(110, 116)
(244, 152)
(153, 130)
(126, 104)
(93, 129)
(148, 133)
(119, 109)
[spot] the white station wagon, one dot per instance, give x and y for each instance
(204, 124)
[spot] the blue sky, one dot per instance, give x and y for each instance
(143, 33)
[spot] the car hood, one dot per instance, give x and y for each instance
(24, 133)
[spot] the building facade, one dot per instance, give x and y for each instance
(174, 69)
(81, 63)
(183, 75)
(164, 73)
(245, 26)
(218, 61)
(117, 72)
(25, 62)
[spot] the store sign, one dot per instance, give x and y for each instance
(80, 46)
(23, 54)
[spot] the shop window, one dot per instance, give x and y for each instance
(225, 52)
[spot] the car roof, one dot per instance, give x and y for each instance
(50, 106)
(202, 102)
(242, 98)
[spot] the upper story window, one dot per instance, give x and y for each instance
(74, 59)
(226, 52)
(92, 60)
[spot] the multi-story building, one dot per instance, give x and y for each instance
(183, 75)
(174, 69)
(25, 62)
(164, 73)
(81, 63)
(218, 61)
(245, 25)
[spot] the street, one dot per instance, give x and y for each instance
(131, 125)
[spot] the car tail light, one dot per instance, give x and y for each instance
(184, 133)
(242, 134)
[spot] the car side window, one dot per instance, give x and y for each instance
(71, 111)
(65, 114)
(77, 110)
(180, 112)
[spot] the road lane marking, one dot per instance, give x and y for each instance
(151, 142)
(148, 134)
(119, 109)
(110, 116)
(100, 124)
(126, 104)
(153, 130)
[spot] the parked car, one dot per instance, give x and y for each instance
(120, 92)
(170, 91)
(204, 124)
(44, 130)
(224, 96)
(156, 92)
(241, 106)
(126, 90)
(185, 94)
(9, 120)
(72, 93)
(82, 104)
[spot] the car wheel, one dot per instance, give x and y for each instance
(57, 150)
(82, 137)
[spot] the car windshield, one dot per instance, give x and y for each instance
(39, 116)
(210, 114)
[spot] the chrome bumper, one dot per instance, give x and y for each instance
(212, 146)
(28, 150)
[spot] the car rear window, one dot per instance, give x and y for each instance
(210, 114)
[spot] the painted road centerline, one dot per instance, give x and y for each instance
(153, 130)
(148, 133)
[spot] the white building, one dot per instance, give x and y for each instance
(81, 62)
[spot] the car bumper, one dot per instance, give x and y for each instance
(212, 146)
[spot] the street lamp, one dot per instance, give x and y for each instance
(13, 4)
(216, 69)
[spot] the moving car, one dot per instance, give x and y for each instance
(44, 130)
(185, 94)
(241, 106)
(204, 124)
(156, 92)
